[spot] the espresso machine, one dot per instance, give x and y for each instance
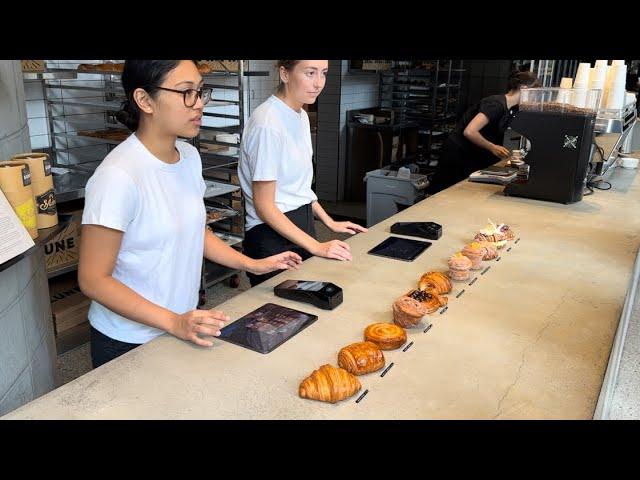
(558, 128)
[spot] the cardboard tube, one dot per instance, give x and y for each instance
(42, 185)
(15, 182)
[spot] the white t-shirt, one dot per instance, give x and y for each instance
(276, 145)
(160, 209)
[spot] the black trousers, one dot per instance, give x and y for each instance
(456, 164)
(263, 241)
(104, 349)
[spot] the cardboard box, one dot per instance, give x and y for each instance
(63, 249)
(73, 337)
(32, 65)
(69, 308)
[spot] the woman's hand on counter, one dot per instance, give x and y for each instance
(205, 322)
(500, 151)
(281, 261)
(334, 249)
(346, 227)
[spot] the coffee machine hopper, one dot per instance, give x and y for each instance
(559, 131)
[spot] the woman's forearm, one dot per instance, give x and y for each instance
(122, 300)
(219, 252)
(321, 214)
(477, 139)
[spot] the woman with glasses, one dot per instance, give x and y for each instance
(477, 139)
(276, 172)
(143, 234)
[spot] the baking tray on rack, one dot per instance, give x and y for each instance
(228, 238)
(215, 214)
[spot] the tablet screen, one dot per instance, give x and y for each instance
(400, 248)
(267, 327)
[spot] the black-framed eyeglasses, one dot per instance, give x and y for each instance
(190, 95)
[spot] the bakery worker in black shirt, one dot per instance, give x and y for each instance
(476, 142)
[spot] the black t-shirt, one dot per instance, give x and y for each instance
(495, 108)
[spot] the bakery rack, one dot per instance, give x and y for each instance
(426, 92)
(81, 106)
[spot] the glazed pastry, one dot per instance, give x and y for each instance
(436, 281)
(506, 231)
(491, 253)
(488, 237)
(491, 233)
(475, 252)
(459, 267)
(329, 384)
(495, 239)
(360, 358)
(430, 300)
(388, 336)
(407, 312)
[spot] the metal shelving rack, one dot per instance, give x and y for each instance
(70, 178)
(426, 92)
(220, 162)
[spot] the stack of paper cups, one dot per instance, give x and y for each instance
(42, 185)
(592, 74)
(579, 98)
(564, 95)
(616, 94)
(566, 82)
(617, 63)
(15, 183)
(597, 82)
(601, 63)
(607, 85)
(582, 76)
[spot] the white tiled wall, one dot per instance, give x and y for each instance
(343, 91)
(261, 88)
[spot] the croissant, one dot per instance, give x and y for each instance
(360, 358)
(329, 384)
(387, 336)
(430, 300)
(436, 281)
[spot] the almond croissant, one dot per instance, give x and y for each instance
(360, 358)
(437, 281)
(329, 384)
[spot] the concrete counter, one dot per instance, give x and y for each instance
(530, 338)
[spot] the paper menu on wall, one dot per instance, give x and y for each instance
(14, 238)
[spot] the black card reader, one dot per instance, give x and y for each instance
(428, 230)
(323, 295)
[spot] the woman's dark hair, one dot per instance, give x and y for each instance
(519, 79)
(288, 65)
(146, 74)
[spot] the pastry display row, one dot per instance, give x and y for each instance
(333, 384)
